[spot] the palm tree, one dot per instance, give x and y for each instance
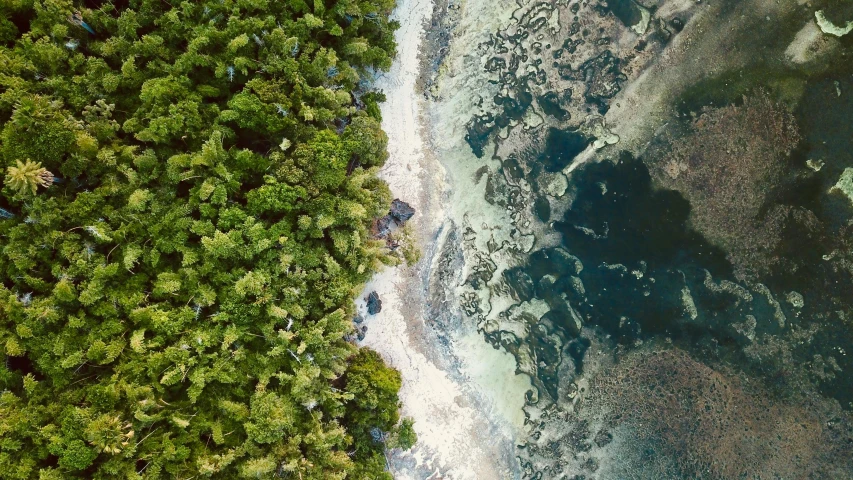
(28, 176)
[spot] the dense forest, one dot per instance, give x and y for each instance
(187, 194)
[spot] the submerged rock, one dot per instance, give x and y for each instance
(556, 260)
(815, 165)
(564, 316)
(374, 304)
(602, 438)
(745, 330)
(520, 283)
(564, 262)
(795, 299)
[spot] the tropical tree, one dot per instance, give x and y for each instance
(27, 177)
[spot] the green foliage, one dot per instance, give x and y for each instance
(408, 250)
(177, 304)
(404, 435)
(26, 177)
(374, 389)
(371, 104)
(76, 456)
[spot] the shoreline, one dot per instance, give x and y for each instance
(451, 417)
(472, 403)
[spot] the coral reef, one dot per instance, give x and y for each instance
(719, 426)
(728, 166)
(714, 237)
(671, 416)
(562, 64)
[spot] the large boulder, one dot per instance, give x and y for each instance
(564, 262)
(374, 304)
(401, 211)
(564, 317)
(398, 215)
(555, 261)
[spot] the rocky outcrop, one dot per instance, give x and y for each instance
(398, 215)
(401, 211)
(374, 304)
(383, 226)
(520, 283)
(360, 332)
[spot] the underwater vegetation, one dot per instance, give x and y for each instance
(709, 375)
(726, 165)
(657, 412)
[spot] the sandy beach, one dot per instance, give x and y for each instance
(453, 417)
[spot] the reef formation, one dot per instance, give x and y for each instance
(675, 264)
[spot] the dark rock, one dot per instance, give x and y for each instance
(358, 318)
(382, 227)
(542, 208)
(577, 350)
(520, 283)
(361, 332)
(545, 288)
(626, 11)
(479, 129)
(564, 316)
(590, 464)
(573, 288)
(499, 191)
(483, 270)
(602, 438)
(511, 166)
(602, 76)
(546, 348)
(374, 304)
(401, 211)
(550, 104)
(564, 262)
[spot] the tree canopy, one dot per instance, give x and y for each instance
(184, 221)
